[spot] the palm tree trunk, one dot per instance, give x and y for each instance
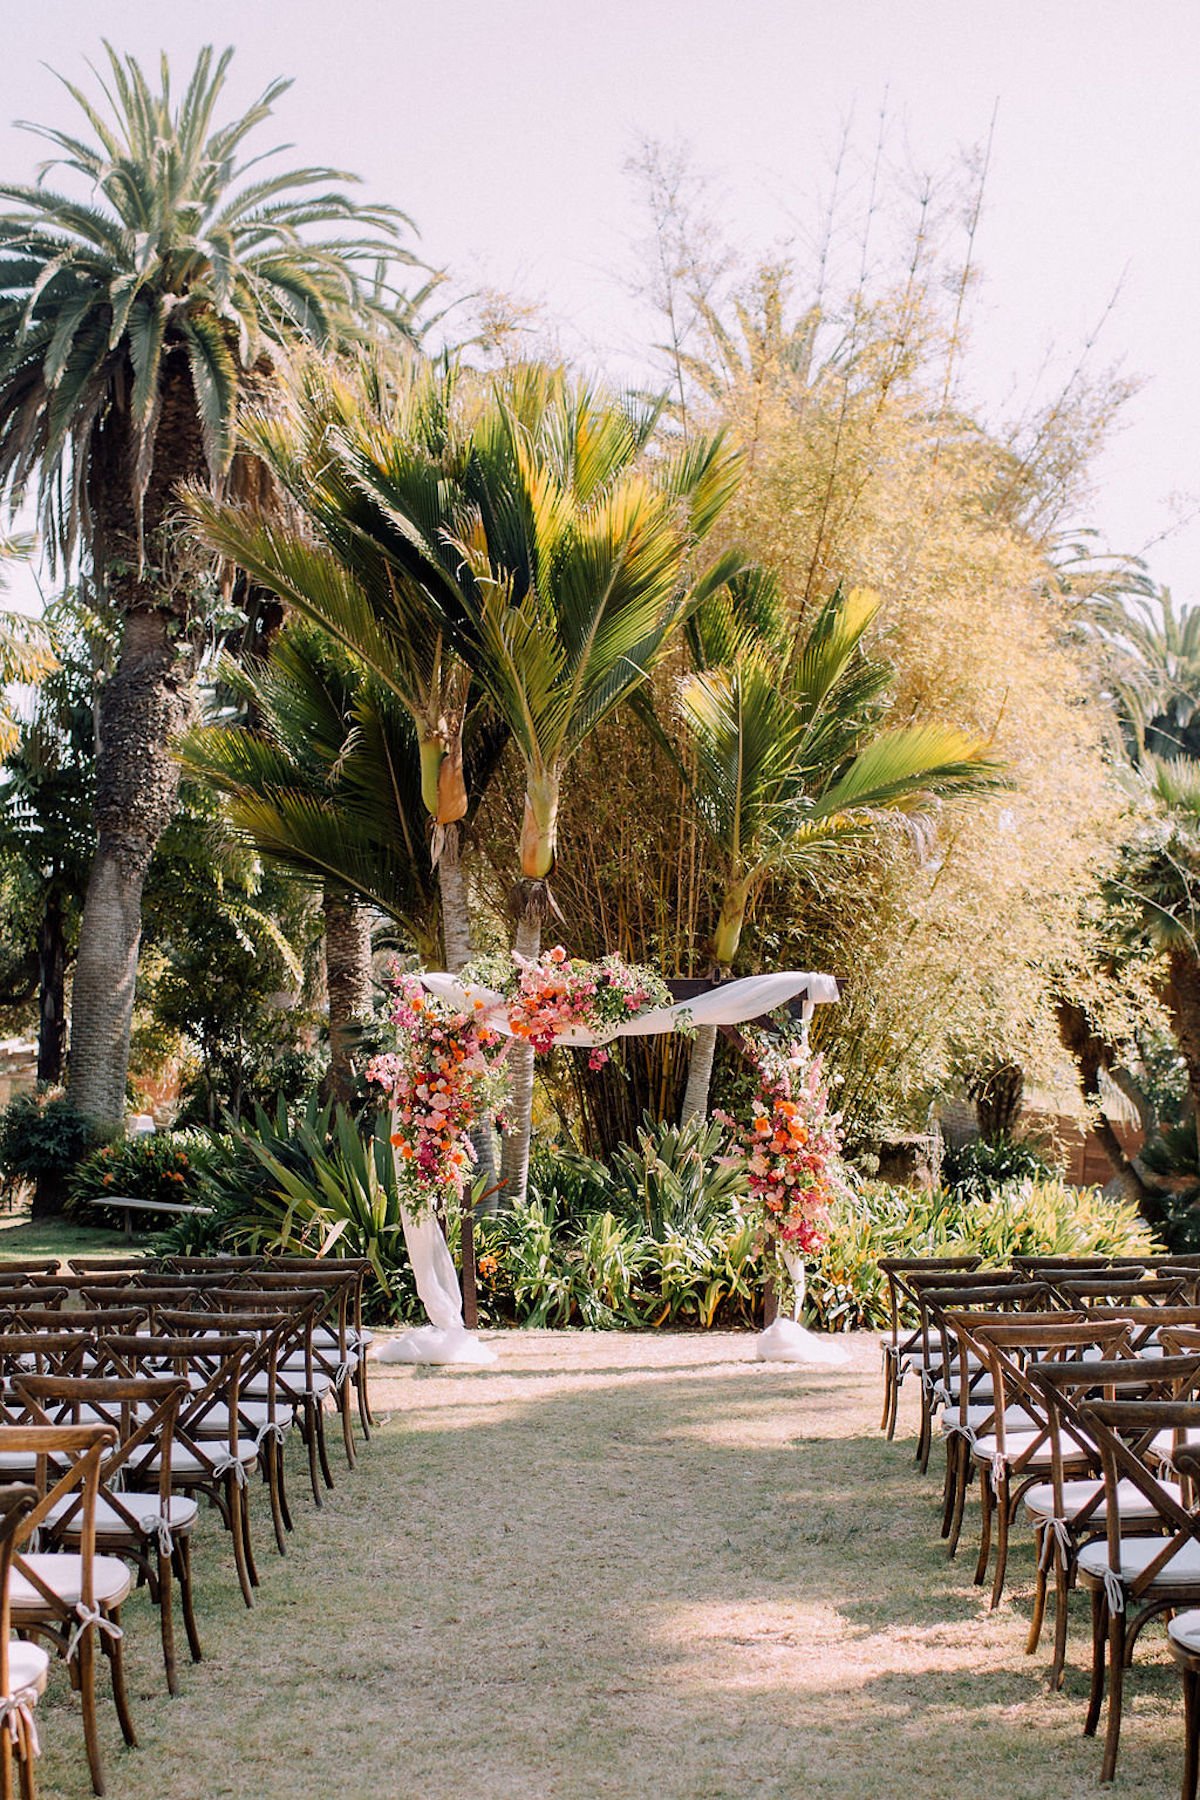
(514, 1158)
(700, 1067)
(52, 973)
(348, 979)
(144, 706)
(452, 889)
(153, 580)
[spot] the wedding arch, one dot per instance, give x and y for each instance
(446, 1339)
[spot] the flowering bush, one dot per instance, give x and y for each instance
(160, 1166)
(443, 1075)
(790, 1153)
(555, 993)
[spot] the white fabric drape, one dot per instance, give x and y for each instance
(445, 1339)
(787, 1340)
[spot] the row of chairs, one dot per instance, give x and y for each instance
(129, 1395)
(1068, 1393)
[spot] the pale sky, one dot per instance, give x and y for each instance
(502, 127)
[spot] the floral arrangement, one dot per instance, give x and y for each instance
(444, 1074)
(790, 1152)
(554, 993)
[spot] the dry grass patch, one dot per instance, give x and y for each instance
(618, 1566)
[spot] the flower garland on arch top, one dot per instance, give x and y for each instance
(554, 993)
(447, 1069)
(790, 1152)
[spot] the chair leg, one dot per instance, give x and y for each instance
(85, 1672)
(985, 1533)
(28, 1762)
(1116, 1686)
(1099, 1641)
(1002, 1521)
(183, 1569)
(310, 1439)
(114, 1649)
(7, 1755)
(285, 1511)
(166, 1620)
(347, 1424)
(1062, 1619)
(950, 1484)
(1045, 1540)
(888, 1422)
(247, 1542)
(273, 1474)
(366, 1416)
(963, 1481)
(1191, 1732)
(233, 1496)
(322, 1446)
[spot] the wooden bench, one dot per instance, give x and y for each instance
(129, 1205)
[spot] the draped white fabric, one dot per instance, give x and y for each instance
(786, 1340)
(445, 1339)
(731, 1003)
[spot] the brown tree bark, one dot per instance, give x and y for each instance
(1091, 1055)
(1183, 1001)
(348, 979)
(148, 579)
(52, 983)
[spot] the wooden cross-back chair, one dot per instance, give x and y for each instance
(1134, 1577)
(960, 1373)
(1120, 1288)
(269, 1398)
(359, 1338)
(23, 1665)
(138, 1517)
(1067, 1513)
(209, 1455)
(330, 1357)
(902, 1351)
(1010, 1449)
(71, 1598)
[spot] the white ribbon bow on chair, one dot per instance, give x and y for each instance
(1114, 1591)
(231, 1465)
(269, 1428)
(999, 1472)
(159, 1525)
(91, 1615)
(17, 1710)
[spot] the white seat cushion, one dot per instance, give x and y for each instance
(251, 1413)
(145, 1509)
(185, 1462)
(63, 1573)
(1163, 1443)
(27, 1667)
(1015, 1419)
(1183, 1570)
(1184, 1630)
(1131, 1502)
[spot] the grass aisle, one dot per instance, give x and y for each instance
(618, 1566)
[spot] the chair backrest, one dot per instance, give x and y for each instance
(142, 1412)
(1012, 1348)
(897, 1272)
(1123, 1431)
(67, 1459)
(210, 1367)
(1063, 1263)
(1066, 1386)
(1167, 1289)
(87, 1319)
(20, 1268)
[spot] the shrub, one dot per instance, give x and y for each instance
(982, 1167)
(42, 1138)
(1030, 1218)
(165, 1166)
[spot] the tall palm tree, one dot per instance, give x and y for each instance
(1151, 652)
(323, 783)
(527, 533)
(790, 762)
(134, 316)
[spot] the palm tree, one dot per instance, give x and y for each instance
(322, 782)
(1152, 655)
(525, 533)
(26, 652)
(134, 318)
(790, 761)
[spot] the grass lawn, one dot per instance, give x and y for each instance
(614, 1567)
(22, 1236)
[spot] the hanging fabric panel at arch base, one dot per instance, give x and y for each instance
(445, 1339)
